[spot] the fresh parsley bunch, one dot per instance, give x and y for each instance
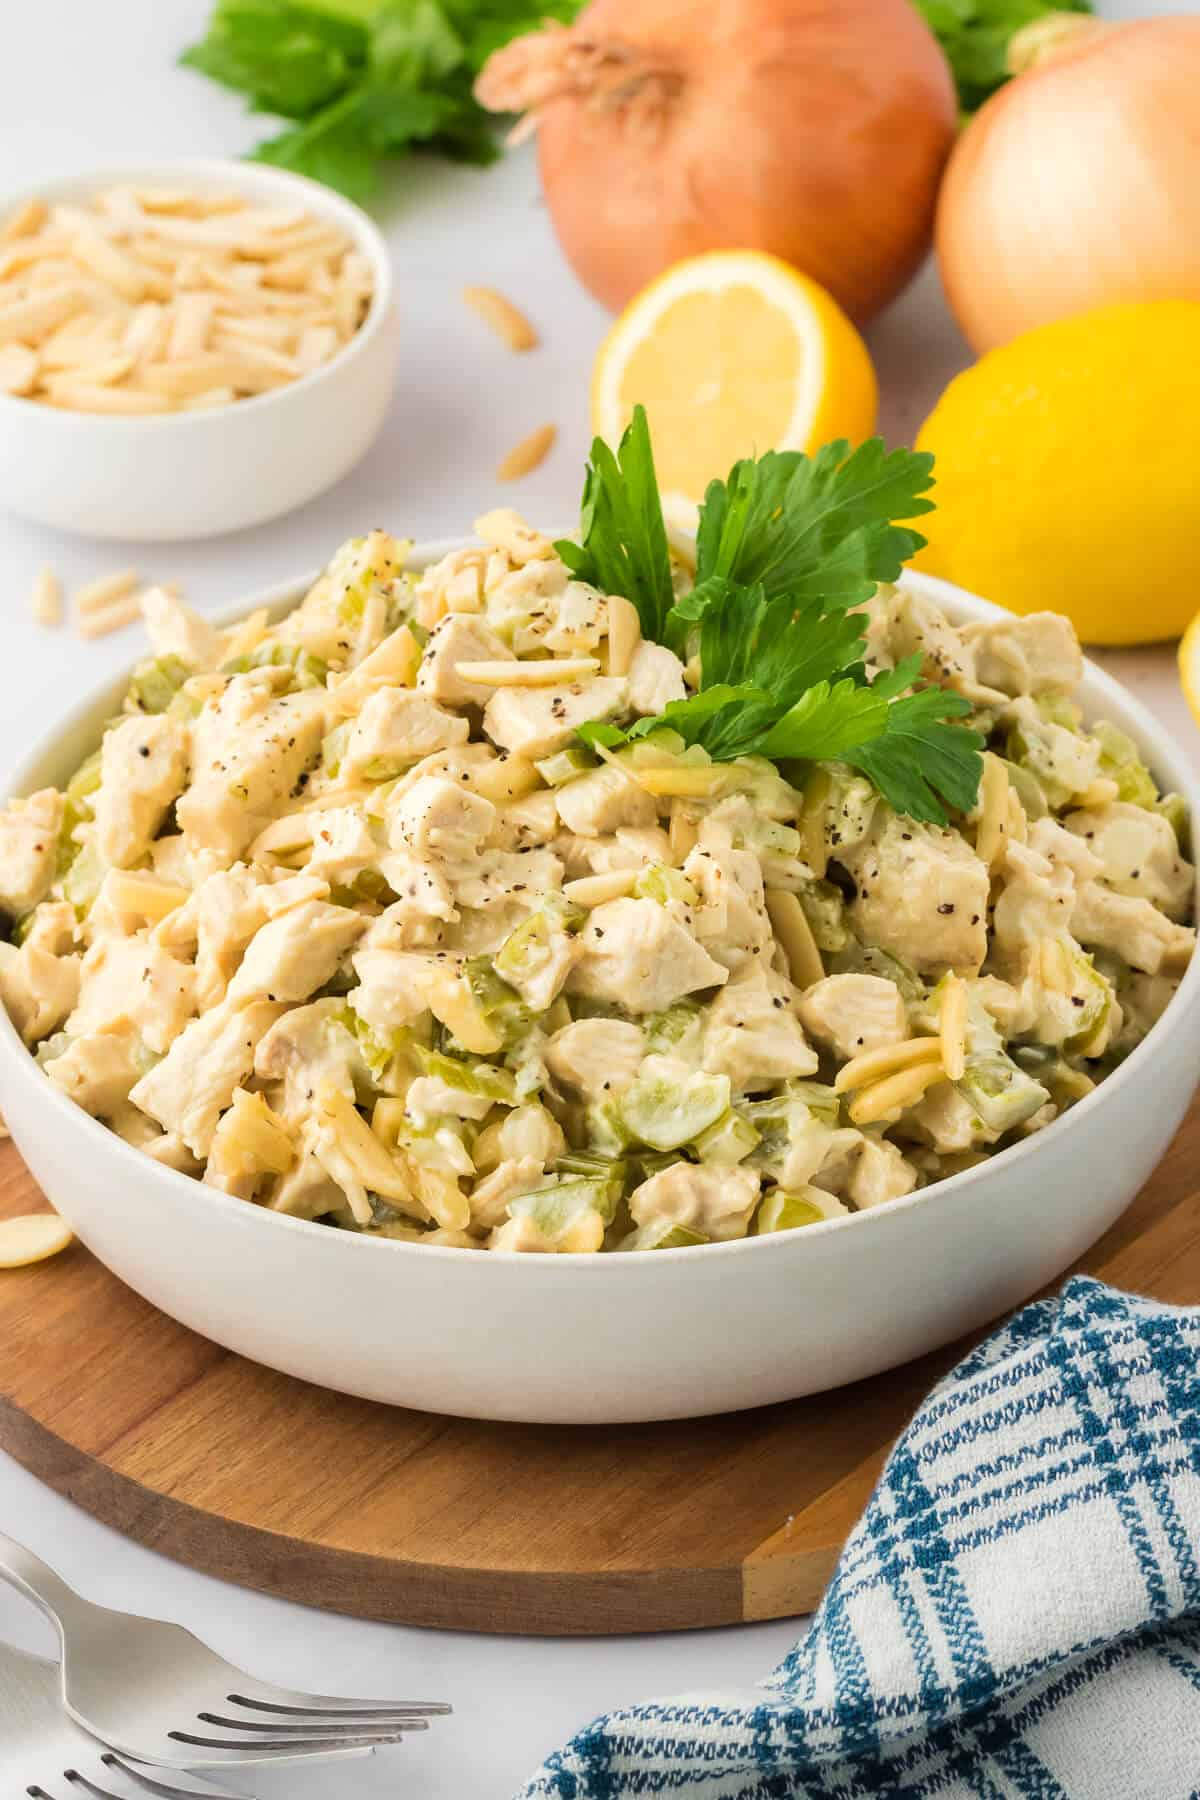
(786, 547)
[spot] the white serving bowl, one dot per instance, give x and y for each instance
(161, 477)
(601, 1339)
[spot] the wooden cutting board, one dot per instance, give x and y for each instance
(425, 1520)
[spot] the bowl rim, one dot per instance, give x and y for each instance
(215, 170)
(187, 1189)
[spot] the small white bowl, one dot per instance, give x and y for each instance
(589, 1340)
(194, 474)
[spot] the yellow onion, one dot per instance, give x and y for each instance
(813, 129)
(1078, 184)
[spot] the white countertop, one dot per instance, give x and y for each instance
(101, 86)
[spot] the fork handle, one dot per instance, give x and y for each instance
(22, 1570)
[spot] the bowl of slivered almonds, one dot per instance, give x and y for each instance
(187, 348)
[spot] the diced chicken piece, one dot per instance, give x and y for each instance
(28, 849)
(1138, 854)
(190, 1088)
(1144, 999)
(490, 1197)
(602, 800)
(526, 1131)
(171, 861)
(636, 954)
(732, 915)
(523, 598)
(422, 906)
(1135, 929)
(947, 1122)
(1035, 901)
(98, 1071)
(1058, 845)
(578, 619)
(54, 927)
(429, 1099)
(1064, 762)
(526, 823)
(851, 1014)
(716, 1203)
(216, 922)
(596, 1057)
(633, 847)
(133, 983)
(655, 678)
(394, 987)
(910, 625)
(308, 1046)
(1013, 1005)
(538, 721)
(143, 766)
(922, 895)
(1030, 655)
(175, 630)
(397, 726)
(306, 1191)
(459, 638)
(866, 1171)
(443, 820)
(752, 1033)
(38, 989)
(502, 875)
(343, 845)
(247, 760)
(293, 955)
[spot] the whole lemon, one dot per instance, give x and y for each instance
(1068, 472)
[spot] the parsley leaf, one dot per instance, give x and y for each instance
(623, 540)
(364, 80)
(815, 528)
(975, 35)
(920, 760)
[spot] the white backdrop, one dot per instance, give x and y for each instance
(88, 83)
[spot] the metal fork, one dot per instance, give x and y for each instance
(45, 1754)
(156, 1693)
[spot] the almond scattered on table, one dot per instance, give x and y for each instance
(151, 300)
(505, 319)
(526, 456)
(31, 1238)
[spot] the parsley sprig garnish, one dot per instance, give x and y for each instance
(786, 547)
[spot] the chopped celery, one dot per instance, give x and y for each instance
(825, 910)
(668, 1106)
(869, 959)
(1091, 999)
(479, 1079)
(154, 684)
(1027, 788)
(368, 885)
(663, 1234)
(660, 882)
(728, 1140)
(781, 1211)
(378, 1049)
(83, 879)
(333, 747)
(1119, 760)
(678, 1029)
(594, 1165)
(83, 784)
(607, 1133)
(1000, 1094)
(185, 706)
(566, 765)
(497, 999)
(555, 1208)
(23, 926)
(1174, 810)
(1059, 709)
(1063, 761)
(535, 957)
(822, 1101)
(784, 1123)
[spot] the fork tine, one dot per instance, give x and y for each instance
(294, 1746)
(168, 1783)
(351, 1728)
(312, 1705)
(318, 1707)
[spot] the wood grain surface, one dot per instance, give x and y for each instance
(424, 1520)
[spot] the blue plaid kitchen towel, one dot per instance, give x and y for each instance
(1016, 1614)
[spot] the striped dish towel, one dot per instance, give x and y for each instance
(1016, 1614)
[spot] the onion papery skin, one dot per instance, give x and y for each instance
(1078, 184)
(816, 130)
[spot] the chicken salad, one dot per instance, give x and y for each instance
(506, 905)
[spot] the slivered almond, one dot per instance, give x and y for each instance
(94, 595)
(131, 279)
(30, 319)
(84, 396)
(505, 319)
(142, 895)
(624, 634)
(104, 372)
(46, 599)
(28, 217)
(210, 398)
(31, 1238)
(895, 1093)
(952, 1027)
(190, 325)
(109, 618)
(146, 331)
(553, 672)
(18, 369)
(526, 456)
(316, 346)
(875, 1065)
(692, 782)
(594, 890)
(789, 922)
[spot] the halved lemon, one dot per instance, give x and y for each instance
(731, 353)
(1189, 666)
